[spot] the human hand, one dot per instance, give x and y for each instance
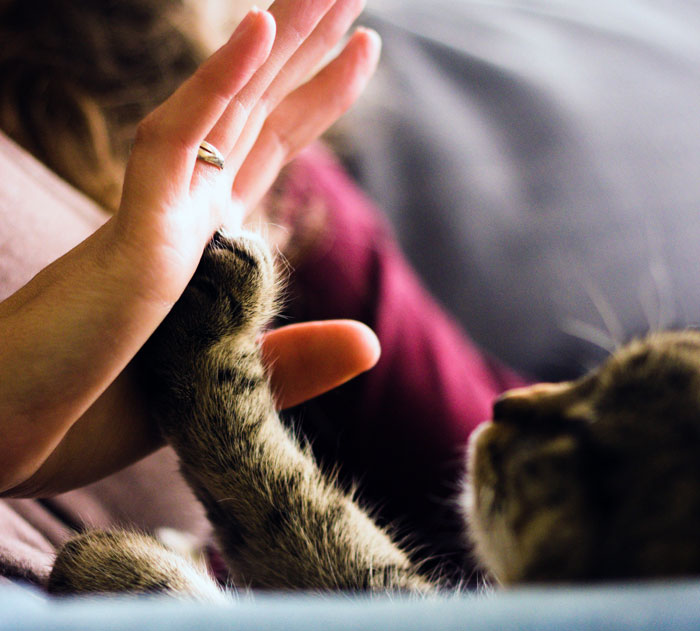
(244, 100)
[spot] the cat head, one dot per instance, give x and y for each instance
(597, 478)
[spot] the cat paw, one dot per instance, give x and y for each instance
(235, 283)
(229, 299)
(101, 562)
(220, 315)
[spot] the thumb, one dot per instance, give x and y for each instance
(310, 358)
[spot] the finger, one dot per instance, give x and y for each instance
(308, 359)
(168, 138)
(295, 21)
(306, 113)
(313, 51)
(299, 67)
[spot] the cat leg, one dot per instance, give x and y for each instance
(280, 522)
(128, 562)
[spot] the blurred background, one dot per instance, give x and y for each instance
(539, 163)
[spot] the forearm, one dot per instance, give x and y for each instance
(67, 335)
(282, 525)
(113, 433)
(115, 430)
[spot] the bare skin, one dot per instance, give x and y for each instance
(69, 409)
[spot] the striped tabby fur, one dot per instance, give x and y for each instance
(279, 522)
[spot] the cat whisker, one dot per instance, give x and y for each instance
(660, 289)
(607, 314)
(589, 333)
(656, 298)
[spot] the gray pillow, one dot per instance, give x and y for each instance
(540, 162)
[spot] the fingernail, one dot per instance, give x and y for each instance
(246, 23)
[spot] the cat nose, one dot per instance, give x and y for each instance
(522, 404)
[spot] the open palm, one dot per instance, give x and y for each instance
(250, 101)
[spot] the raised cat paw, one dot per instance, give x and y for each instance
(229, 299)
(208, 333)
(232, 291)
(235, 281)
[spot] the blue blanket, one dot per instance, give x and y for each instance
(658, 607)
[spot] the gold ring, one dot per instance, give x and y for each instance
(210, 154)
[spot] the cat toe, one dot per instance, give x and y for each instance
(242, 269)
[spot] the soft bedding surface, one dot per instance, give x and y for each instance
(656, 607)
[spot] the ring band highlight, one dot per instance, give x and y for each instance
(210, 154)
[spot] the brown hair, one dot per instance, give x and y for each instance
(76, 76)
